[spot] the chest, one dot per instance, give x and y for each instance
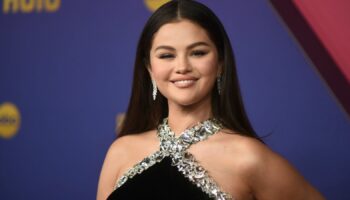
(218, 164)
(225, 168)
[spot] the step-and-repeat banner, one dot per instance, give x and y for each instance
(65, 75)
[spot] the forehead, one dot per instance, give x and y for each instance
(183, 32)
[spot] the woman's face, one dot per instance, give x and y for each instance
(184, 63)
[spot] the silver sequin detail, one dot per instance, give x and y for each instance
(183, 160)
(140, 167)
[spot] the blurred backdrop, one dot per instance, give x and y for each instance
(65, 76)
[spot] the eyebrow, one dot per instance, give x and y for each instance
(189, 47)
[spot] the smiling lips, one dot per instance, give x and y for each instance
(184, 83)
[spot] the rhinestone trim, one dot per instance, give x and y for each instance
(140, 167)
(176, 147)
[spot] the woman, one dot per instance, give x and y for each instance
(186, 134)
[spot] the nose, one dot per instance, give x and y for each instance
(183, 65)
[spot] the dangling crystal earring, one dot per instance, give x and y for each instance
(218, 83)
(154, 92)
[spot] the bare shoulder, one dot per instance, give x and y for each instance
(234, 143)
(131, 147)
(126, 146)
(123, 153)
(131, 143)
(247, 153)
(269, 175)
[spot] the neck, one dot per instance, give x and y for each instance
(183, 117)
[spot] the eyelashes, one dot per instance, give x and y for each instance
(196, 53)
(199, 53)
(166, 56)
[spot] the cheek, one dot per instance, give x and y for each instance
(208, 67)
(159, 70)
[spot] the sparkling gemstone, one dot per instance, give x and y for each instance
(123, 180)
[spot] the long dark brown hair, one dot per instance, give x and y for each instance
(144, 114)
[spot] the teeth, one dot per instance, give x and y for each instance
(184, 81)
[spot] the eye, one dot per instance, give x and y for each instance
(198, 53)
(166, 56)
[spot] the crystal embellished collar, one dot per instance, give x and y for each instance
(176, 149)
(190, 136)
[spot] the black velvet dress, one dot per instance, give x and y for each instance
(171, 172)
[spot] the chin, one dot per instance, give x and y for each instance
(185, 101)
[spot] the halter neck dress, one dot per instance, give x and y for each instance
(172, 173)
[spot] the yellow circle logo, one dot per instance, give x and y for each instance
(9, 120)
(153, 5)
